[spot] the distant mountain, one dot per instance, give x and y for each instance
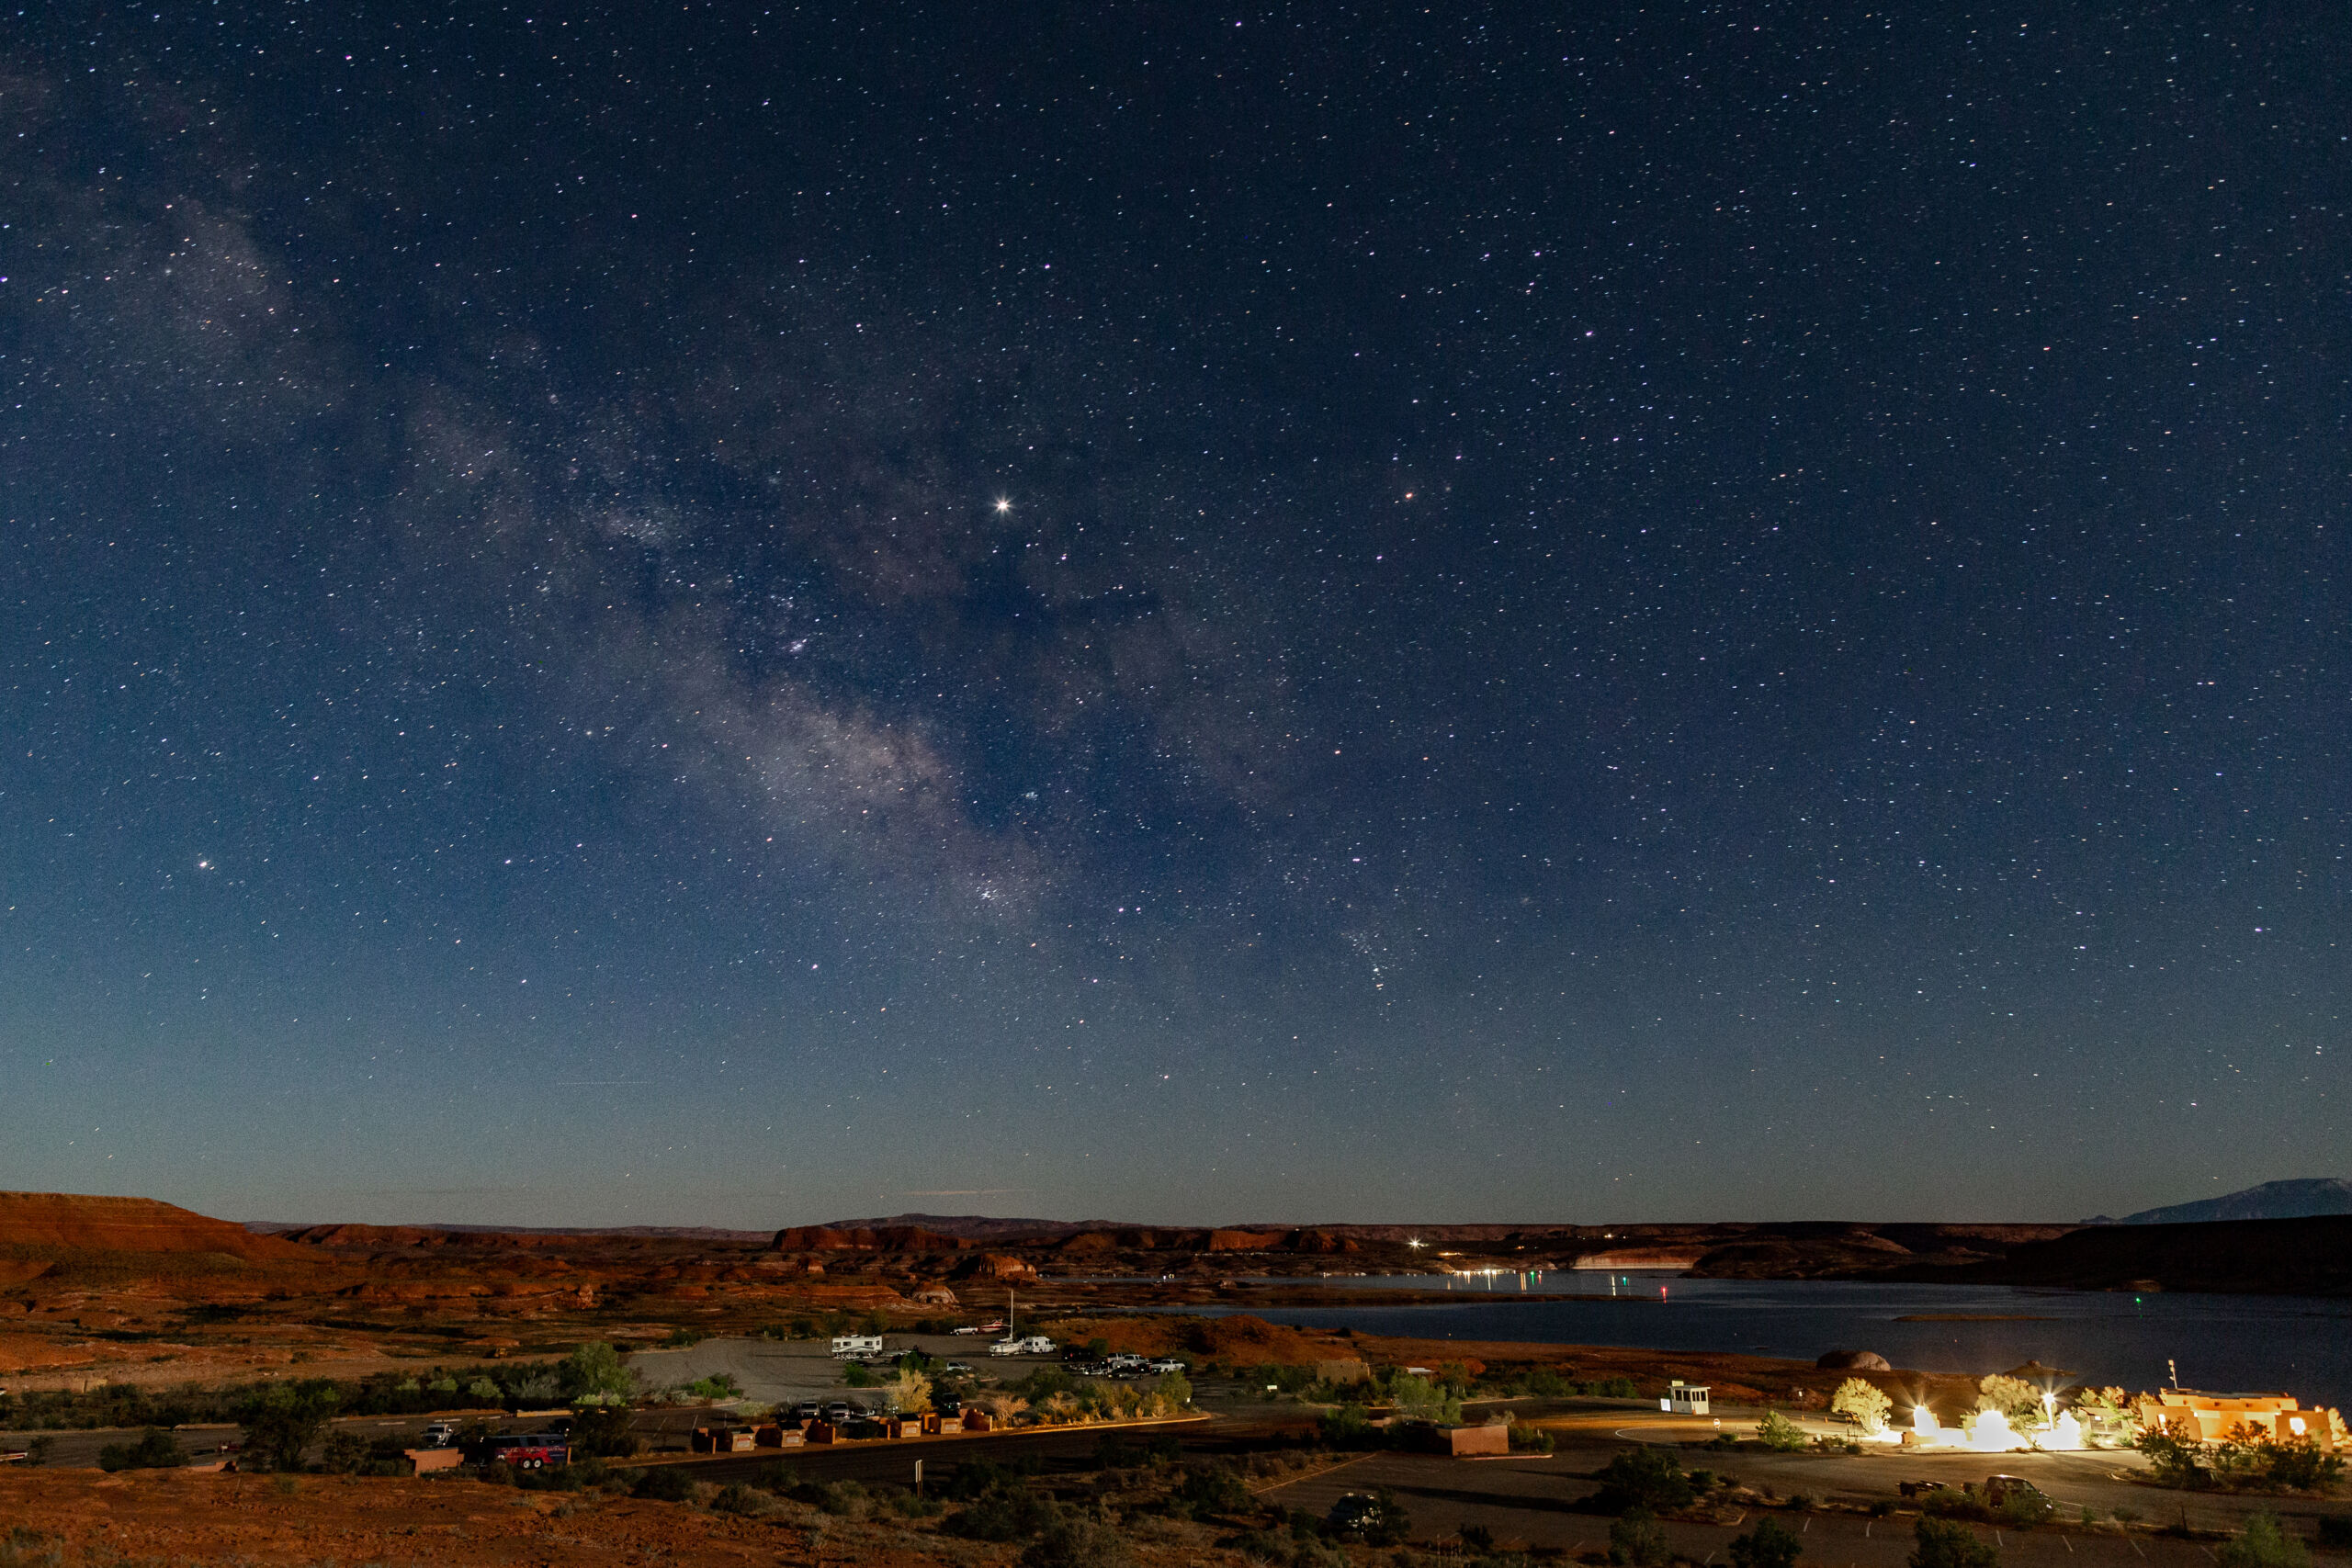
(2297, 1200)
(975, 1228)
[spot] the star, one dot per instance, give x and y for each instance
(1003, 505)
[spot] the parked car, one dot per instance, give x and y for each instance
(440, 1434)
(1165, 1364)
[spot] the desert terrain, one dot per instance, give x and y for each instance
(122, 1314)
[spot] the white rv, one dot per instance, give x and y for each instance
(849, 1346)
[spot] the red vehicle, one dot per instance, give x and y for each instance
(531, 1450)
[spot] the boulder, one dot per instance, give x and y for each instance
(1854, 1362)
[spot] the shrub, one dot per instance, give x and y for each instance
(2264, 1544)
(1389, 1524)
(2335, 1531)
(1642, 1478)
(1771, 1544)
(857, 1376)
(345, 1452)
(1005, 1513)
(1944, 1544)
(682, 1339)
(1779, 1433)
(155, 1449)
(665, 1484)
(1071, 1542)
(601, 1431)
(1209, 1489)
(741, 1500)
(1530, 1439)
(1637, 1540)
(1612, 1388)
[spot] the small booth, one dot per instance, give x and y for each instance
(1684, 1398)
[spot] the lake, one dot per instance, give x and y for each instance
(2298, 1344)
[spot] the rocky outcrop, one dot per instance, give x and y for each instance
(1854, 1362)
(891, 1239)
(1243, 1241)
(36, 1224)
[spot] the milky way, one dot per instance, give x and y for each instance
(734, 617)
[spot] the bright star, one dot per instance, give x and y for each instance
(1003, 505)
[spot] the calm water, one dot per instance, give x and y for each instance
(2298, 1344)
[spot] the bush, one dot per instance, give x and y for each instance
(1210, 1489)
(741, 1500)
(2335, 1531)
(665, 1484)
(1779, 1433)
(1771, 1544)
(1530, 1439)
(1944, 1544)
(1637, 1540)
(1008, 1513)
(1642, 1478)
(601, 1431)
(2264, 1544)
(155, 1449)
(345, 1452)
(1380, 1519)
(1070, 1542)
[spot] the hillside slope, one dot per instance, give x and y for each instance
(42, 1223)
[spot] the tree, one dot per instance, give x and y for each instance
(594, 1373)
(1642, 1478)
(1779, 1433)
(2106, 1412)
(282, 1422)
(1771, 1544)
(2017, 1401)
(2264, 1543)
(1418, 1400)
(601, 1431)
(1636, 1539)
(1174, 1392)
(908, 1393)
(1863, 1401)
(155, 1449)
(1947, 1544)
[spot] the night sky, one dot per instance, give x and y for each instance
(734, 616)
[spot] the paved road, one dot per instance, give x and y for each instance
(881, 1460)
(1534, 1500)
(2104, 1480)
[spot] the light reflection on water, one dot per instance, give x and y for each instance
(2298, 1344)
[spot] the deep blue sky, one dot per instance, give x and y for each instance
(1668, 614)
